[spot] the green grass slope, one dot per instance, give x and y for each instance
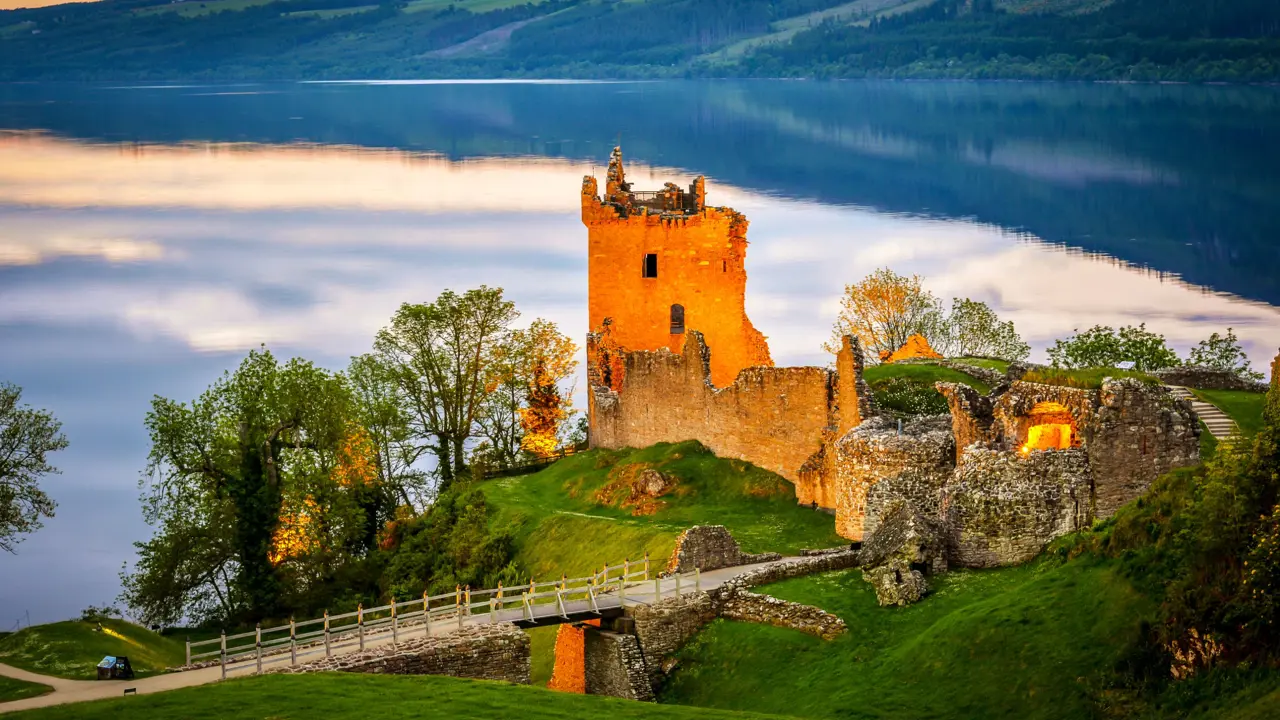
(1026, 642)
(562, 523)
(338, 696)
(11, 689)
(72, 648)
(1242, 406)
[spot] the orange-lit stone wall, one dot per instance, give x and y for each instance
(775, 418)
(701, 255)
(569, 673)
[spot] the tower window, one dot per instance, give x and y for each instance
(724, 266)
(651, 265)
(677, 319)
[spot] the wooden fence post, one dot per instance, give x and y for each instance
(492, 603)
(677, 584)
(395, 623)
(524, 606)
(646, 564)
(293, 642)
(327, 652)
(224, 654)
(657, 589)
(360, 624)
(188, 650)
(426, 614)
(467, 591)
(257, 629)
(697, 579)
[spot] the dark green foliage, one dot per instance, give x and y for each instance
(908, 396)
(449, 546)
(1103, 347)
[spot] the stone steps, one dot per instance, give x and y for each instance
(1220, 425)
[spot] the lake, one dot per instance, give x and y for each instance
(150, 236)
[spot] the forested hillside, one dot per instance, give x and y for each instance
(1213, 40)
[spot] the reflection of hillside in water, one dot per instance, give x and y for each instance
(1179, 179)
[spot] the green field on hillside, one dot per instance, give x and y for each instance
(11, 689)
(72, 648)
(340, 696)
(1027, 642)
(566, 520)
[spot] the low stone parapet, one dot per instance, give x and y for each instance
(483, 652)
(768, 610)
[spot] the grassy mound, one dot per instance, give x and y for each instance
(11, 689)
(578, 514)
(1026, 642)
(72, 648)
(341, 696)
(988, 363)
(908, 388)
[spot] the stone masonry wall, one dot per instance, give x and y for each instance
(768, 610)
(1207, 378)
(772, 417)
(710, 547)
(1003, 508)
(877, 466)
(485, 652)
(615, 666)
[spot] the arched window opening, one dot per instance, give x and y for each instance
(677, 319)
(1051, 428)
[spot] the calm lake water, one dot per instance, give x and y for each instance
(149, 236)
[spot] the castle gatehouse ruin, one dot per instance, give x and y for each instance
(674, 357)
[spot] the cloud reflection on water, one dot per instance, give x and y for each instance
(129, 270)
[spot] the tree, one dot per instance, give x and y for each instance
(439, 354)
(382, 411)
(244, 487)
(973, 329)
(1223, 353)
(885, 309)
(548, 360)
(27, 436)
(1103, 346)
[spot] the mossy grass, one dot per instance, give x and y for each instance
(1240, 405)
(1031, 642)
(1086, 378)
(11, 689)
(923, 372)
(565, 521)
(988, 363)
(350, 696)
(72, 648)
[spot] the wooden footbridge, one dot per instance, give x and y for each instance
(602, 594)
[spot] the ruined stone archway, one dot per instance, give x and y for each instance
(1049, 426)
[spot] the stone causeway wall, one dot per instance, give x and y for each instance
(768, 610)
(710, 547)
(484, 652)
(1207, 378)
(615, 666)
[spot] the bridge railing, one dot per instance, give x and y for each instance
(421, 617)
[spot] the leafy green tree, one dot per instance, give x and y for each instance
(1103, 346)
(973, 329)
(1223, 352)
(383, 412)
(244, 485)
(883, 310)
(440, 354)
(27, 436)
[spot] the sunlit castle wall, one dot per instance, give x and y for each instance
(662, 263)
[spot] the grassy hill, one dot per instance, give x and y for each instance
(336, 696)
(575, 515)
(72, 648)
(313, 39)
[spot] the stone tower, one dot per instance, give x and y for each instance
(662, 263)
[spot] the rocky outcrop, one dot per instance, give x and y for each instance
(895, 558)
(710, 547)
(896, 584)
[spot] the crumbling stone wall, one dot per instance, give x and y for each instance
(1003, 508)
(486, 652)
(664, 627)
(776, 418)
(701, 255)
(768, 610)
(615, 666)
(1207, 378)
(710, 547)
(878, 466)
